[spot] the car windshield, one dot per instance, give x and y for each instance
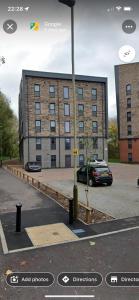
(33, 164)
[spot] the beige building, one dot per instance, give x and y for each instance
(46, 118)
(127, 93)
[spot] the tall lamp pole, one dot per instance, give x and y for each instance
(71, 4)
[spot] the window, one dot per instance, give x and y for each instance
(129, 144)
(37, 90)
(81, 160)
(38, 126)
(38, 144)
(67, 126)
(128, 116)
(80, 93)
(128, 102)
(94, 110)
(130, 157)
(37, 108)
(81, 126)
(129, 130)
(128, 89)
(66, 109)
(81, 143)
(52, 108)
(94, 94)
(94, 127)
(52, 126)
(53, 143)
(66, 92)
(53, 161)
(52, 91)
(80, 109)
(39, 158)
(67, 144)
(95, 143)
(95, 156)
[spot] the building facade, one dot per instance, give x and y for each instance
(46, 118)
(127, 94)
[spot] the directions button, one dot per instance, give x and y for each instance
(80, 279)
(123, 279)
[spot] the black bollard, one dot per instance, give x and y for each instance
(18, 217)
(138, 182)
(71, 211)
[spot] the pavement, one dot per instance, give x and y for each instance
(107, 247)
(113, 253)
(121, 200)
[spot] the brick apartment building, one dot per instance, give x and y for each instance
(127, 94)
(46, 118)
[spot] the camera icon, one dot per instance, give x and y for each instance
(14, 279)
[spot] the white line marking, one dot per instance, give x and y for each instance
(82, 239)
(3, 240)
(69, 296)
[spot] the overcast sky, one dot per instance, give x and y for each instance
(98, 38)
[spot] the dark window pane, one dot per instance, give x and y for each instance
(52, 108)
(128, 102)
(128, 116)
(80, 109)
(129, 130)
(38, 126)
(52, 91)
(53, 143)
(95, 127)
(38, 144)
(80, 93)
(39, 158)
(81, 126)
(94, 110)
(67, 144)
(81, 143)
(94, 94)
(81, 160)
(37, 108)
(53, 161)
(37, 90)
(52, 126)
(128, 89)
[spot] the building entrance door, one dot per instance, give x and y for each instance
(67, 161)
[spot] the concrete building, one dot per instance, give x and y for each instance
(127, 94)
(46, 118)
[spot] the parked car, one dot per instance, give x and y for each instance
(33, 166)
(97, 174)
(98, 162)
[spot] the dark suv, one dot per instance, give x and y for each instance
(33, 166)
(96, 174)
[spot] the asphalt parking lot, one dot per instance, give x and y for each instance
(121, 200)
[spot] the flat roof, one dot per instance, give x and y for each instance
(63, 76)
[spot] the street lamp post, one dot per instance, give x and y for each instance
(71, 4)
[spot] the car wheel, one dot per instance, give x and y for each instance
(109, 184)
(90, 182)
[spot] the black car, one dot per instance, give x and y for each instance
(33, 166)
(96, 174)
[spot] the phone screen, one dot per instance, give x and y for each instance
(69, 149)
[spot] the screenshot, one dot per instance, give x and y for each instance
(69, 149)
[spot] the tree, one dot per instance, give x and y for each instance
(113, 146)
(8, 129)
